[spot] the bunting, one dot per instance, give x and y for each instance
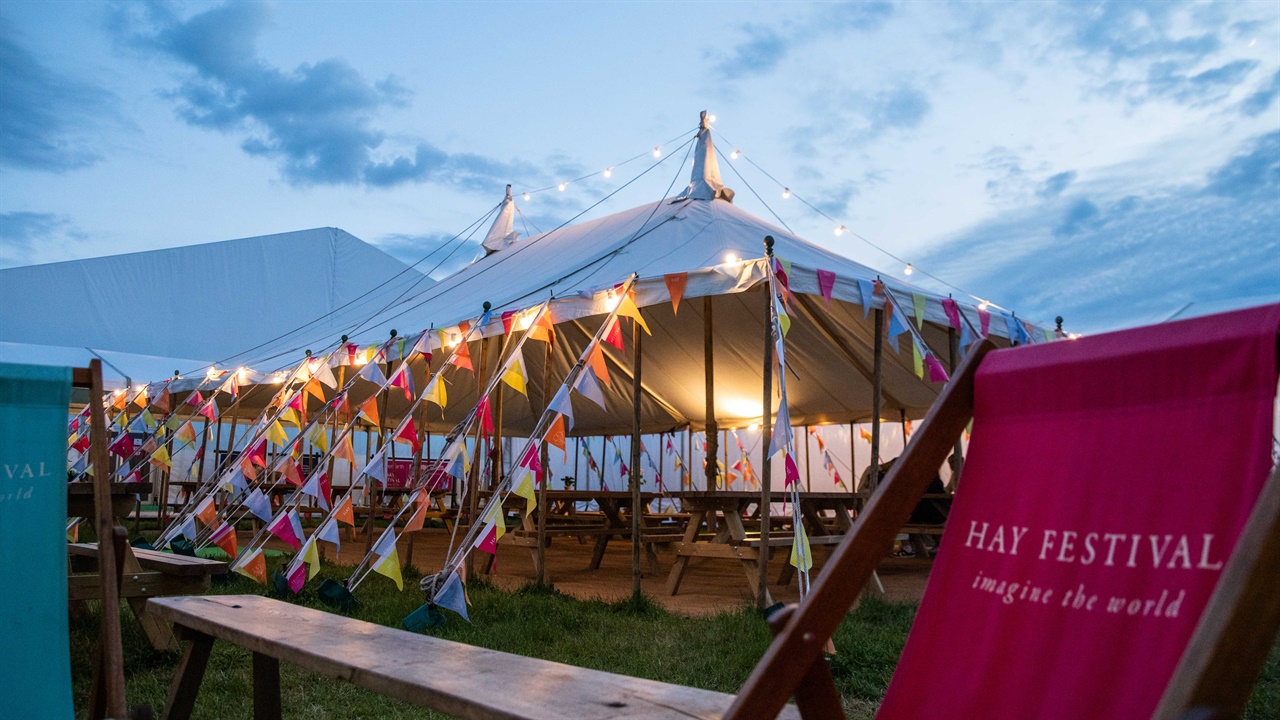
(515, 376)
(225, 538)
(451, 597)
(319, 438)
(369, 409)
(328, 532)
(917, 301)
(276, 434)
(344, 512)
(613, 335)
(628, 308)
(408, 434)
(676, 283)
(590, 388)
(556, 436)
(253, 566)
(526, 490)
(596, 361)
(206, 511)
(259, 504)
(562, 404)
(826, 283)
(435, 392)
(160, 458)
(462, 357)
(404, 380)
(283, 528)
(801, 553)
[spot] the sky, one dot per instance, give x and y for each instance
(1106, 162)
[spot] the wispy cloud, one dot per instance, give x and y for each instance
(44, 115)
(764, 48)
(1106, 261)
(433, 254)
(317, 121)
(22, 234)
(1262, 100)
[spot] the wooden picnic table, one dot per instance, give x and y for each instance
(123, 498)
(727, 537)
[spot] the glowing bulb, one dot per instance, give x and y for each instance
(657, 151)
(786, 193)
(908, 270)
(279, 377)
(984, 305)
(526, 197)
(840, 230)
(735, 154)
(243, 372)
(608, 172)
(753, 427)
(730, 258)
(212, 373)
(711, 118)
(562, 186)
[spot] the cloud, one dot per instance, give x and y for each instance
(433, 254)
(759, 54)
(1054, 186)
(764, 48)
(316, 121)
(1166, 80)
(43, 114)
(23, 233)
(1113, 261)
(1261, 101)
(853, 118)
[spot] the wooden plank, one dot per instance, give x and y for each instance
(1239, 625)
(799, 645)
(168, 563)
(452, 678)
(136, 585)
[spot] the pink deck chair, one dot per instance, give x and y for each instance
(1114, 547)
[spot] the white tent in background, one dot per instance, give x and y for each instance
(206, 301)
(719, 248)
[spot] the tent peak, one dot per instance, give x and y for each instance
(502, 234)
(705, 183)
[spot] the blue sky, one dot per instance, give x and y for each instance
(1109, 162)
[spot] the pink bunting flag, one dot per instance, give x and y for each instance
(486, 417)
(793, 473)
(826, 283)
(952, 310)
(489, 543)
(984, 319)
(123, 446)
(508, 318)
(936, 372)
(298, 577)
(282, 527)
(530, 459)
(195, 398)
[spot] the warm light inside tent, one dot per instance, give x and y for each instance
(984, 305)
(279, 377)
(243, 373)
(738, 407)
(525, 320)
(753, 427)
(211, 373)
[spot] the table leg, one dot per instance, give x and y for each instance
(186, 682)
(682, 561)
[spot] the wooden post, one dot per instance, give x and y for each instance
(808, 476)
(709, 366)
(957, 457)
(370, 490)
(636, 510)
(604, 450)
(766, 438)
(473, 480)
(877, 384)
(853, 459)
(725, 444)
(110, 651)
(540, 557)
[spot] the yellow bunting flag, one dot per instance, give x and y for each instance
(160, 458)
(149, 419)
(311, 556)
(917, 300)
(315, 389)
(344, 513)
(276, 434)
(291, 416)
(187, 433)
(254, 567)
(319, 438)
(627, 308)
(917, 360)
(784, 321)
(801, 554)
(515, 375)
(525, 490)
(435, 392)
(389, 565)
(494, 514)
(369, 408)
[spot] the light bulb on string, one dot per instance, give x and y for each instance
(984, 305)
(840, 230)
(562, 186)
(735, 155)
(526, 197)
(711, 118)
(786, 195)
(608, 172)
(731, 257)
(657, 151)
(908, 269)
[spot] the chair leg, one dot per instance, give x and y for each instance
(186, 682)
(266, 687)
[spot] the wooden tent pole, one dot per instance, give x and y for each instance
(540, 556)
(957, 457)
(853, 461)
(604, 450)
(877, 386)
(766, 438)
(110, 655)
(808, 475)
(473, 491)
(709, 366)
(416, 474)
(636, 510)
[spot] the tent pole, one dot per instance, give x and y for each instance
(540, 557)
(416, 472)
(604, 453)
(708, 361)
(957, 458)
(473, 492)
(853, 461)
(370, 490)
(636, 510)
(766, 438)
(808, 475)
(877, 383)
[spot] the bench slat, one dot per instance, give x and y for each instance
(168, 563)
(451, 677)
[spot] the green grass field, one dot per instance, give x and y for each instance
(632, 638)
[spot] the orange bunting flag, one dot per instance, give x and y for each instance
(862, 433)
(613, 335)
(598, 365)
(676, 283)
(544, 329)
(369, 408)
(628, 308)
(253, 566)
(315, 389)
(419, 515)
(462, 357)
(291, 471)
(141, 398)
(119, 403)
(344, 450)
(225, 538)
(162, 403)
(344, 512)
(187, 433)
(206, 511)
(556, 435)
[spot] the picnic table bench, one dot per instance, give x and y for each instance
(450, 677)
(147, 574)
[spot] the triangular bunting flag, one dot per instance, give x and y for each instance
(389, 566)
(556, 436)
(259, 504)
(562, 404)
(917, 302)
(590, 388)
(613, 335)
(515, 376)
(282, 527)
(450, 596)
(344, 513)
(676, 283)
(526, 490)
(225, 538)
(253, 566)
(826, 282)
(627, 308)
(801, 553)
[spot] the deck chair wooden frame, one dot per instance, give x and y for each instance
(1213, 679)
(107, 698)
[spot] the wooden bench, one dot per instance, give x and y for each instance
(450, 677)
(146, 574)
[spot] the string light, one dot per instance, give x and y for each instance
(657, 151)
(786, 194)
(212, 373)
(711, 118)
(562, 186)
(735, 155)
(608, 172)
(984, 305)
(730, 257)
(908, 270)
(526, 197)
(840, 230)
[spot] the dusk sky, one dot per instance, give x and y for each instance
(1109, 162)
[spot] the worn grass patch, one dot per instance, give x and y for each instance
(632, 638)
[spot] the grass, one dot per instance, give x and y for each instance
(633, 638)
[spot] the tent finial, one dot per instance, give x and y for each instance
(502, 234)
(705, 183)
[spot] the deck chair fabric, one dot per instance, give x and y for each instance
(35, 660)
(1106, 483)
